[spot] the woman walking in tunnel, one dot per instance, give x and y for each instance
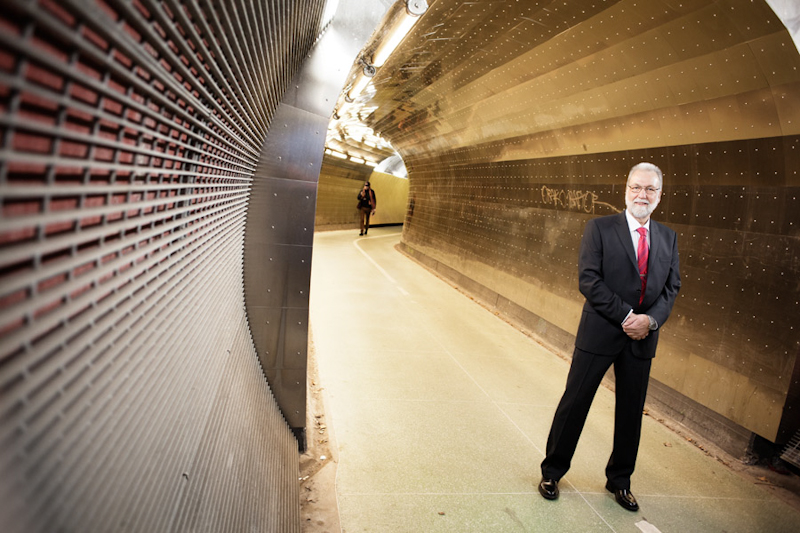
(367, 203)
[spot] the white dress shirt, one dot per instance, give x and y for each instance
(633, 226)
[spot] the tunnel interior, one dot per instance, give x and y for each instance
(162, 166)
(519, 122)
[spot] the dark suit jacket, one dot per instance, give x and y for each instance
(609, 279)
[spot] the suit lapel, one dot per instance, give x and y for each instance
(653, 273)
(655, 236)
(623, 232)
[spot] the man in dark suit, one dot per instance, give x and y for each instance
(630, 278)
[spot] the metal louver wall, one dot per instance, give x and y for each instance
(132, 396)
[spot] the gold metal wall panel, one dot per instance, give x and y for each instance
(523, 220)
(638, 64)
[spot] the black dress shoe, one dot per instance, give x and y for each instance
(624, 498)
(548, 488)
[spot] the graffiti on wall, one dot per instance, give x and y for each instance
(573, 200)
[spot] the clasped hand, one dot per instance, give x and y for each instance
(637, 327)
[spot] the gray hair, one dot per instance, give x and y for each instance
(647, 167)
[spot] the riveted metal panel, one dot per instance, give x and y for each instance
(285, 207)
(282, 276)
(291, 153)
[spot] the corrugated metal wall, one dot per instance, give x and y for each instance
(132, 396)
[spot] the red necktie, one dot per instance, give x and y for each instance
(642, 254)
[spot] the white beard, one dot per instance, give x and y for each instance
(639, 210)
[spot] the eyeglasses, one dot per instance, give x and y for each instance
(636, 189)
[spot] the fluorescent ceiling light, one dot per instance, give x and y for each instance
(398, 30)
(363, 78)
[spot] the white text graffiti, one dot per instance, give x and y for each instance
(583, 201)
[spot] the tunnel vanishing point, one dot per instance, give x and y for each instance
(164, 165)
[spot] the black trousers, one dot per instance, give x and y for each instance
(585, 375)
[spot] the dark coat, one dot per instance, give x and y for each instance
(609, 279)
(365, 201)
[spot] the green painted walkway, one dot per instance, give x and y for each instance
(441, 410)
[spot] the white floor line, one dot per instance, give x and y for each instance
(646, 527)
(376, 265)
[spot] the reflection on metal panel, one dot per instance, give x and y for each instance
(130, 132)
(564, 94)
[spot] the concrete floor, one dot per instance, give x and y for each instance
(441, 410)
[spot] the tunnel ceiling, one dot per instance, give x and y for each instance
(508, 80)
